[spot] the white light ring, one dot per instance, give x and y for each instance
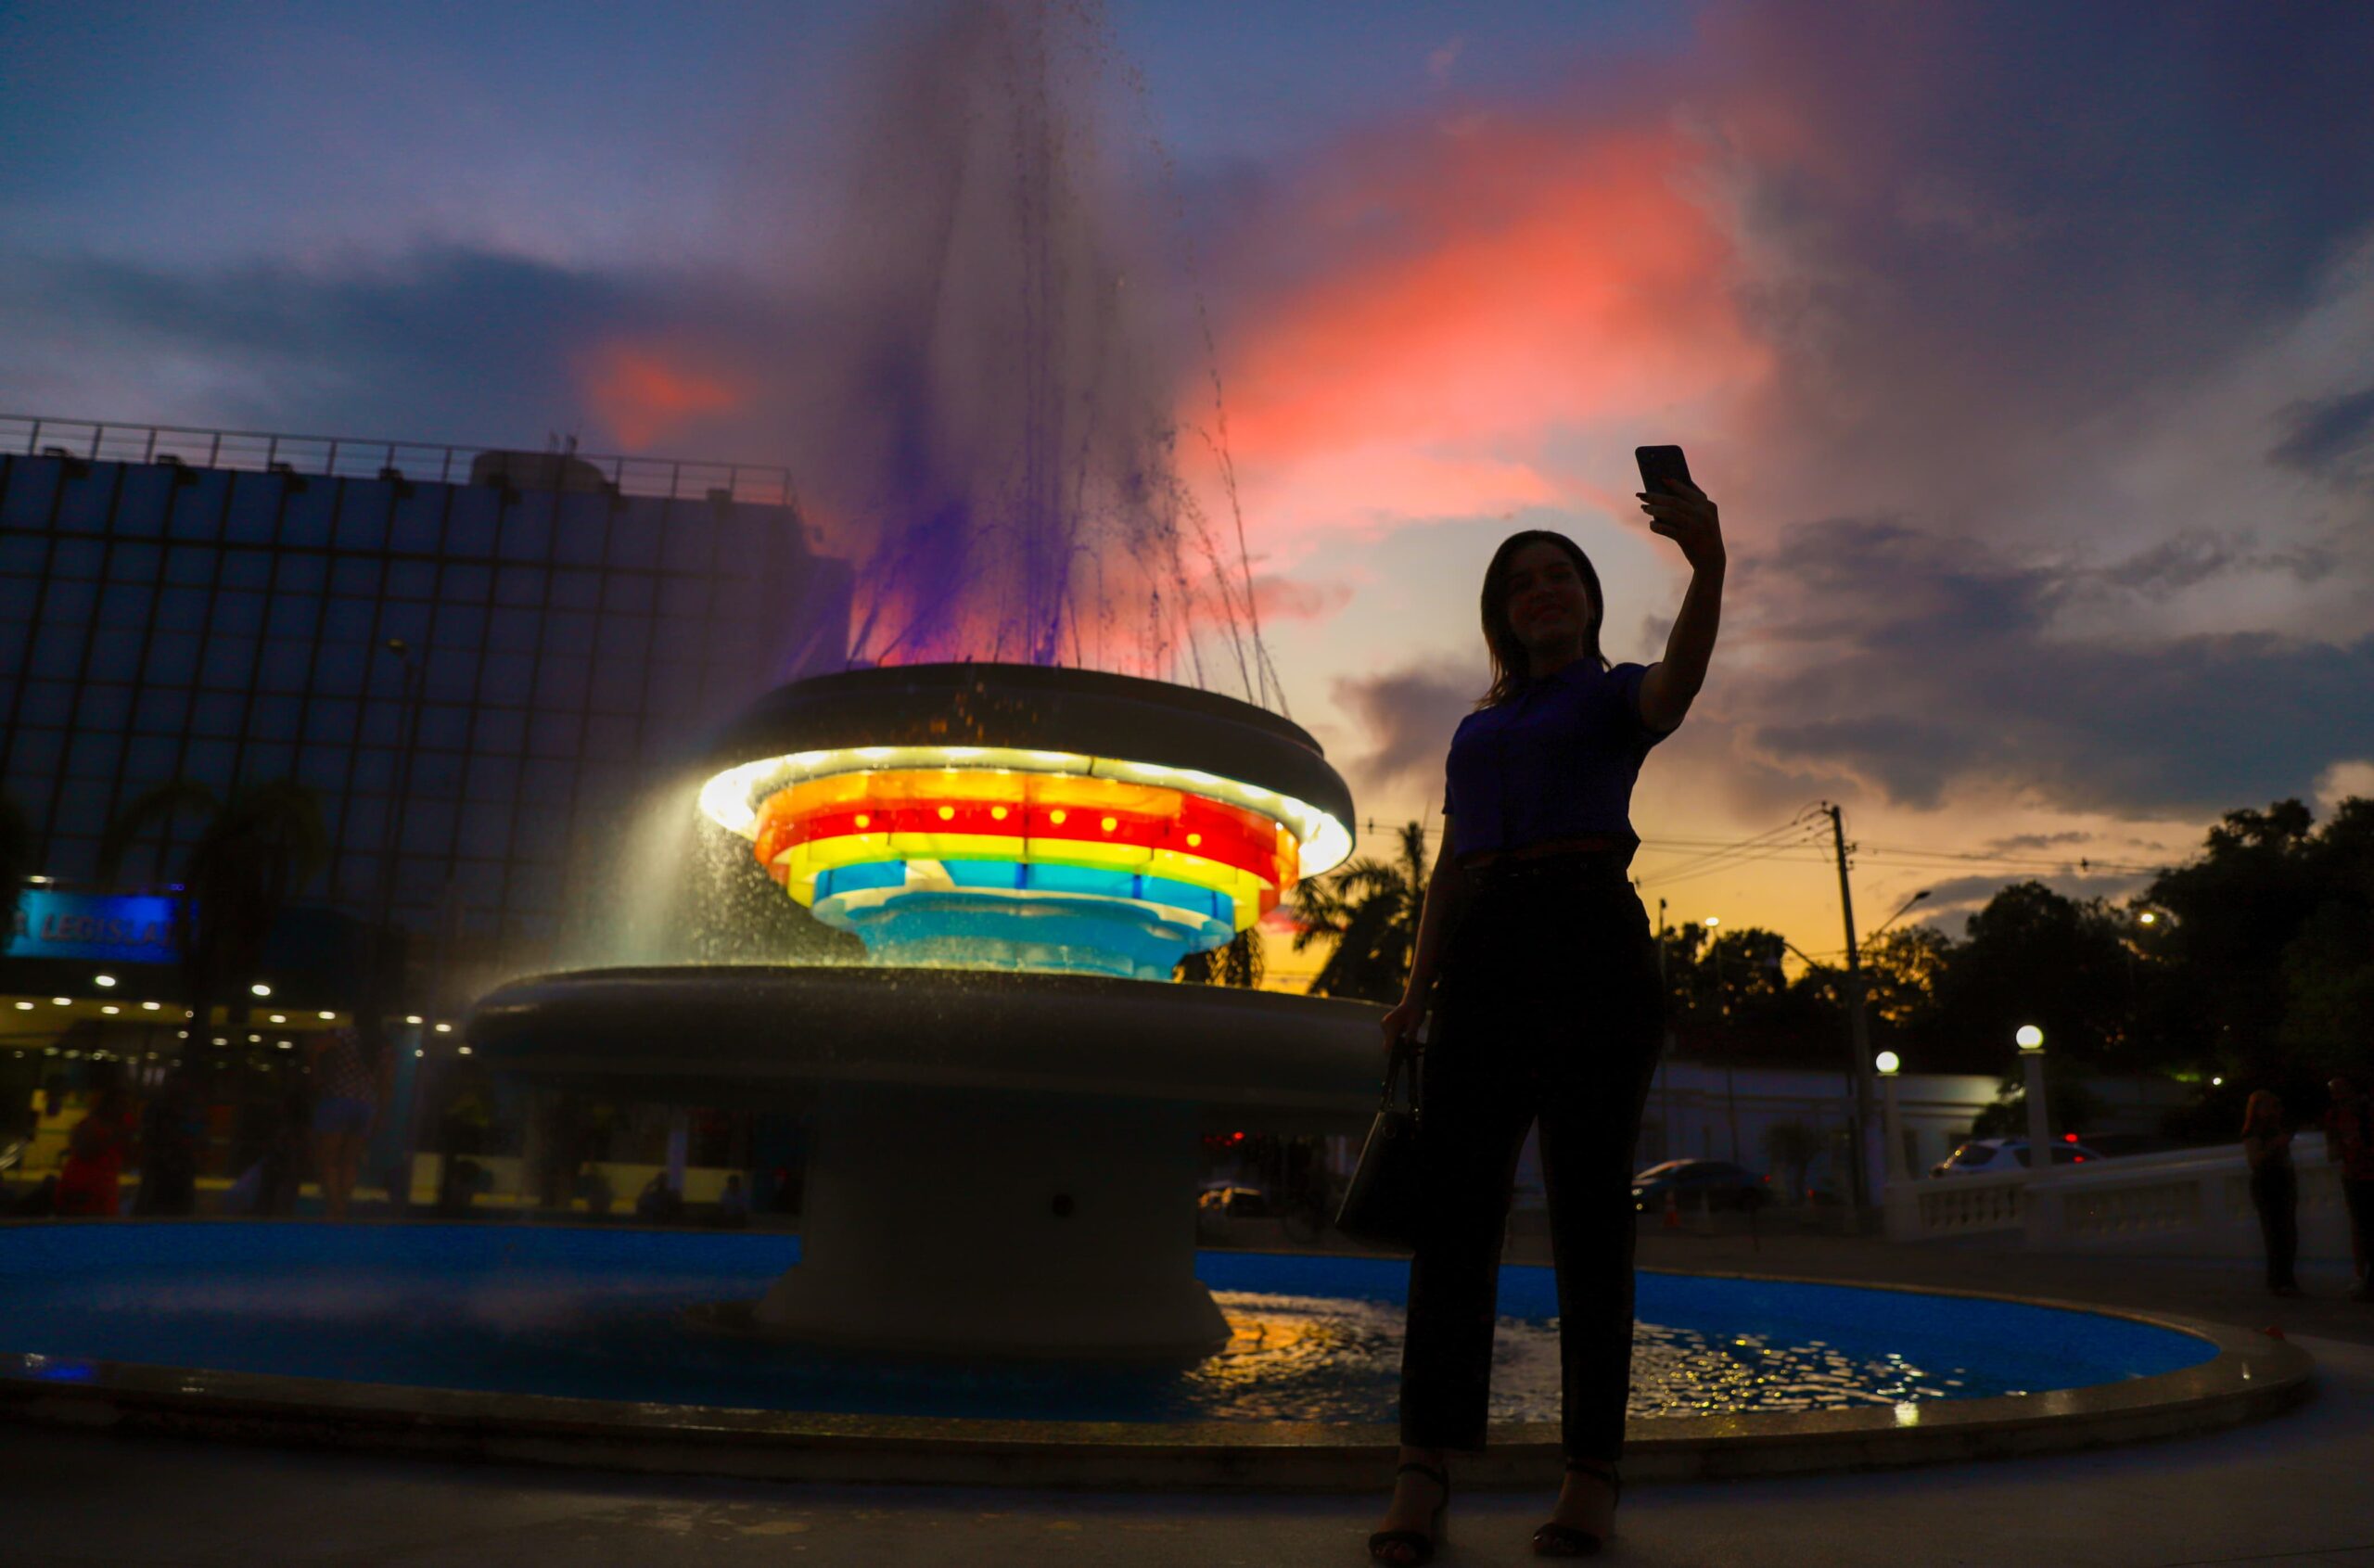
(730, 798)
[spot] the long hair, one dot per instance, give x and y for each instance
(2262, 1106)
(1510, 671)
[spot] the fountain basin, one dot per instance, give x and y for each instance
(571, 1344)
(1004, 1162)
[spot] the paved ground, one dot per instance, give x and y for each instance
(2292, 1491)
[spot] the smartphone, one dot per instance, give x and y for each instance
(1659, 467)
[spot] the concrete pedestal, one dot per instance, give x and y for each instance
(998, 1222)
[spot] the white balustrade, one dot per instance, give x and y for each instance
(2189, 1202)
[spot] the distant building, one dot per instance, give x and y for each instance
(219, 607)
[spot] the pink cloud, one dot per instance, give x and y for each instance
(643, 391)
(1458, 292)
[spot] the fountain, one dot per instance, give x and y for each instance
(997, 1266)
(1007, 1097)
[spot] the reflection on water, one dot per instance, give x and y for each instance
(1317, 1358)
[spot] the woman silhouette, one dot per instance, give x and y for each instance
(1535, 956)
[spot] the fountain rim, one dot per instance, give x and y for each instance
(2250, 1377)
(1237, 1052)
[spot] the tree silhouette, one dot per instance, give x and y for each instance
(1238, 964)
(254, 852)
(1369, 910)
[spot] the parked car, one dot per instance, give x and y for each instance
(1700, 1184)
(1993, 1156)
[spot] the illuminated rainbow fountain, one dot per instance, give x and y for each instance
(1006, 1098)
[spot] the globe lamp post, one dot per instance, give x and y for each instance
(2031, 1042)
(1900, 1199)
(1887, 1062)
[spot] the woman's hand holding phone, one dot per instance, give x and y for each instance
(1678, 508)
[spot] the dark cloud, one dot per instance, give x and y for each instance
(1916, 759)
(2322, 435)
(1953, 901)
(1927, 667)
(2026, 220)
(2160, 572)
(1408, 716)
(2173, 564)
(444, 344)
(2018, 842)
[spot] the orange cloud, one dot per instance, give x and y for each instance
(1483, 286)
(644, 390)
(1287, 598)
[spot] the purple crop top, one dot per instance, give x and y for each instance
(1558, 760)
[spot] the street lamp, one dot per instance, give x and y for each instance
(1891, 1120)
(2031, 1042)
(1711, 923)
(1898, 915)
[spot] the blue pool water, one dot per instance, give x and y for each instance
(598, 1313)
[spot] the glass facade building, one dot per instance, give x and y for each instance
(220, 609)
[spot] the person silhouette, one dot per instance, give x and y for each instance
(2349, 1144)
(2275, 1188)
(90, 1182)
(1535, 956)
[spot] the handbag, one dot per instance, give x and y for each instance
(1380, 1206)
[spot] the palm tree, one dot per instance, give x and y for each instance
(253, 854)
(1370, 910)
(1238, 963)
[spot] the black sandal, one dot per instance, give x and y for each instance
(1554, 1539)
(1421, 1543)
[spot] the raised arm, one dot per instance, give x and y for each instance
(1672, 683)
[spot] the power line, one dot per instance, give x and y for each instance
(1758, 846)
(1739, 847)
(1702, 854)
(1785, 851)
(1906, 853)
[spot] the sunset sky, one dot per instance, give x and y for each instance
(2027, 348)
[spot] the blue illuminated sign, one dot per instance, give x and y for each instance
(94, 926)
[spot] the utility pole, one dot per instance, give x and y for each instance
(1859, 1030)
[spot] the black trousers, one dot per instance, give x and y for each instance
(2275, 1192)
(1548, 1008)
